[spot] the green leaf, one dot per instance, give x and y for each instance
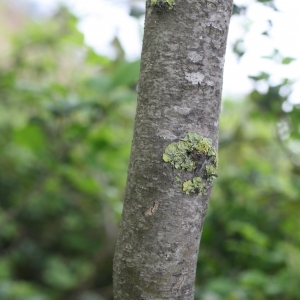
(32, 137)
(261, 76)
(126, 73)
(287, 60)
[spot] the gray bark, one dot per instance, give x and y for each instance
(179, 92)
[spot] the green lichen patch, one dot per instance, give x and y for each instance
(196, 185)
(178, 179)
(176, 155)
(211, 5)
(163, 4)
(211, 172)
(192, 139)
(205, 146)
(196, 154)
(185, 154)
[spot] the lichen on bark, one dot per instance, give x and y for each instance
(163, 4)
(189, 154)
(196, 185)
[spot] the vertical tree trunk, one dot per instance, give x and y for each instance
(173, 162)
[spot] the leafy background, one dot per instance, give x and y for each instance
(66, 120)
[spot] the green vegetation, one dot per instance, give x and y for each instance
(66, 121)
(167, 4)
(196, 185)
(191, 153)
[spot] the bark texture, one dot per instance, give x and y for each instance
(179, 92)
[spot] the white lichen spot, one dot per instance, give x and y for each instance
(194, 56)
(194, 78)
(222, 61)
(209, 83)
(216, 123)
(173, 47)
(182, 110)
(167, 135)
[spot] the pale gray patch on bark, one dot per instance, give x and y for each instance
(194, 56)
(194, 77)
(167, 135)
(182, 110)
(157, 248)
(210, 83)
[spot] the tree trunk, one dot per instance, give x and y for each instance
(173, 159)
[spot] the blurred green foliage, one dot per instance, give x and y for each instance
(250, 247)
(66, 118)
(66, 121)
